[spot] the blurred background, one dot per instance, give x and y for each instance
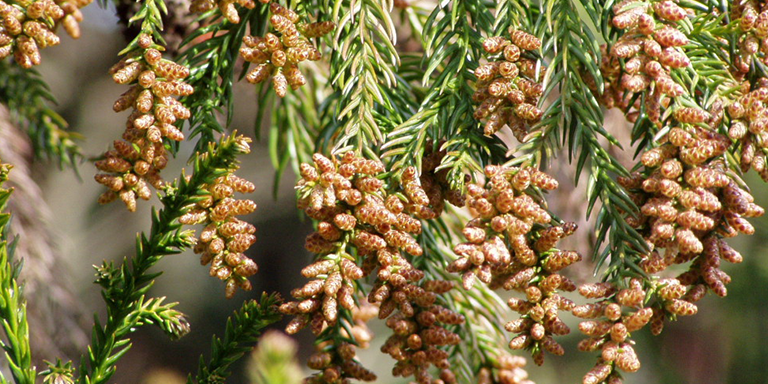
(727, 342)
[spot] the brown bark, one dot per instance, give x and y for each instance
(56, 321)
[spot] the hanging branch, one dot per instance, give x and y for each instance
(135, 162)
(452, 44)
(690, 200)
(573, 111)
(363, 65)
(576, 108)
(705, 53)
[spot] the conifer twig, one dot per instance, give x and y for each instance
(577, 111)
(362, 74)
(452, 41)
(125, 286)
(243, 330)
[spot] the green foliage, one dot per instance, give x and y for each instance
(376, 95)
(243, 330)
(150, 15)
(453, 44)
(363, 64)
(171, 321)
(29, 100)
(575, 117)
(59, 373)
